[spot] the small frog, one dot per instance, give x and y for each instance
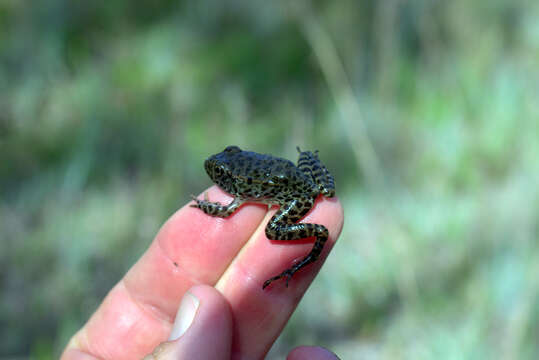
(253, 177)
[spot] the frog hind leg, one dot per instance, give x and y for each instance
(310, 164)
(282, 227)
(215, 208)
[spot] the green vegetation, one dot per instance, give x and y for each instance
(426, 112)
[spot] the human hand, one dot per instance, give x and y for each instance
(203, 330)
(231, 254)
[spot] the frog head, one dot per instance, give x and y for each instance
(221, 167)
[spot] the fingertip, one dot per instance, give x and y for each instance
(212, 304)
(311, 353)
(333, 212)
(202, 328)
(75, 354)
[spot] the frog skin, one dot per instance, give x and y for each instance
(252, 177)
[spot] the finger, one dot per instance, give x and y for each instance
(202, 329)
(190, 248)
(311, 353)
(260, 315)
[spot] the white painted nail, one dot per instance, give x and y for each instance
(185, 316)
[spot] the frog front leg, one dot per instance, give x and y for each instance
(215, 208)
(282, 226)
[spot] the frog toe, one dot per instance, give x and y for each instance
(287, 274)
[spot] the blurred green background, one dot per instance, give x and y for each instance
(425, 111)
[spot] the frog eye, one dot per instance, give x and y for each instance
(232, 149)
(218, 171)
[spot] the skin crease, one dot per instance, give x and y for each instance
(231, 254)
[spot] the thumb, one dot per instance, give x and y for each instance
(202, 329)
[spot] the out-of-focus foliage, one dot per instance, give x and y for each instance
(425, 111)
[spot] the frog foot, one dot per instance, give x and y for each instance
(196, 205)
(199, 202)
(287, 274)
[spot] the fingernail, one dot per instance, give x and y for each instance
(186, 313)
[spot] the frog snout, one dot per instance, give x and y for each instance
(208, 166)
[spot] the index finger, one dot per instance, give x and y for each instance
(190, 248)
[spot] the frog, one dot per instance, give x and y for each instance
(262, 178)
